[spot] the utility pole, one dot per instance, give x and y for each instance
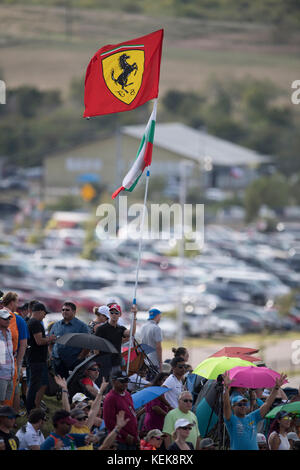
(182, 195)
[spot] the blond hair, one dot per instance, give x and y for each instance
(9, 297)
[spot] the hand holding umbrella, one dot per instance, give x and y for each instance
(226, 380)
(269, 402)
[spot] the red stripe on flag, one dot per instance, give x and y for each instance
(148, 154)
(117, 192)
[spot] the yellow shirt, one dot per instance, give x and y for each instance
(82, 430)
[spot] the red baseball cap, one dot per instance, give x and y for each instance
(115, 307)
(67, 420)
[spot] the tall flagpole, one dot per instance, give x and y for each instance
(138, 265)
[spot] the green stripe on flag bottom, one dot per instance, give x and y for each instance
(134, 184)
(151, 132)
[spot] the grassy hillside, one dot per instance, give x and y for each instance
(47, 47)
(269, 11)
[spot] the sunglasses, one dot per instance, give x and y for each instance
(82, 419)
(187, 400)
(186, 428)
(94, 369)
(242, 404)
(181, 367)
(65, 309)
(114, 313)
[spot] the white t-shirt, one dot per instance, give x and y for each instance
(176, 387)
(30, 437)
(284, 444)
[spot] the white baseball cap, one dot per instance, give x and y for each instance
(104, 310)
(180, 423)
(5, 314)
(261, 438)
(78, 397)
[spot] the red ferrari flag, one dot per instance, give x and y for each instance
(123, 76)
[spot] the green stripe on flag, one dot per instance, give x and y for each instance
(151, 132)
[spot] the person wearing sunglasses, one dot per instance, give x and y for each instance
(91, 374)
(278, 439)
(183, 411)
(7, 421)
(80, 426)
(181, 436)
(116, 400)
(65, 358)
(61, 438)
(116, 334)
(242, 427)
(152, 441)
(175, 381)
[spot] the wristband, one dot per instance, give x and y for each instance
(116, 430)
(65, 391)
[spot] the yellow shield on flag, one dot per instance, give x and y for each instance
(123, 73)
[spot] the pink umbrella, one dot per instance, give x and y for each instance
(253, 377)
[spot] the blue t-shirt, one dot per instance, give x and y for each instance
(22, 329)
(243, 431)
(60, 328)
(71, 441)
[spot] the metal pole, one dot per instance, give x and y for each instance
(181, 255)
(118, 172)
(138, 265)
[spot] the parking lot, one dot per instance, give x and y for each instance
(231, 287)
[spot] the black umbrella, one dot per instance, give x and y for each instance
(86, 341)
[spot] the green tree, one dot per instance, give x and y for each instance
(272, 191)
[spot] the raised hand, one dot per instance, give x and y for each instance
(121, 421)
(134, 309)
(280, 380)
(226, 380)
(61, 382)
(103, 385)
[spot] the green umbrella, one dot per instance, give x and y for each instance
(213, 366)
(293, 407)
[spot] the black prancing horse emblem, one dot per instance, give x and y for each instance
(127, 69)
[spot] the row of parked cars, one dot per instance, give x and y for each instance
(231, 287)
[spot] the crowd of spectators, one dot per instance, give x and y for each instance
(100, 413)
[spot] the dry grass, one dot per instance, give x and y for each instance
(37, 49)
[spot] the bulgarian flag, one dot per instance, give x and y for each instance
(143, 157)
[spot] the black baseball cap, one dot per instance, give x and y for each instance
(8, 412)
(120, 376)
(39, 307)
(24, 306)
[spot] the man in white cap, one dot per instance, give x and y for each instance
(7, 367)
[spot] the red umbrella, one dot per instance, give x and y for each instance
(238, 351)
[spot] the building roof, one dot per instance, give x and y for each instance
(198, 145)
